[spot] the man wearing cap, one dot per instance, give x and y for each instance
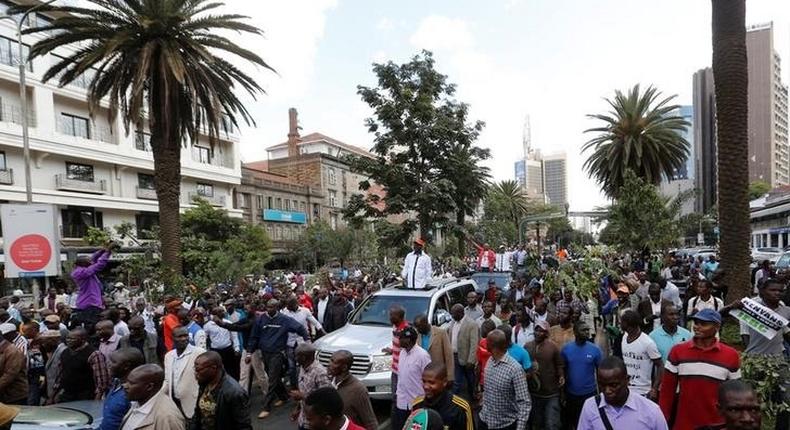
(411, 363)
(691, 397)
(417, 268)
(550, 378)
(170, 321)
(11, 334)
(121, 294)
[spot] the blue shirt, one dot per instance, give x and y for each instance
(581, 363)
(665, 342)
(520, 355)
(270, 334)
(115, 406)
(426, 340)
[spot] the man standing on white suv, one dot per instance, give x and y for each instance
(417, 268)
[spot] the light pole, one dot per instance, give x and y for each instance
(23, 95)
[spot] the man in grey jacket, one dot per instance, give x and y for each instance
(464, 336)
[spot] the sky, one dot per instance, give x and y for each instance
(554, 60)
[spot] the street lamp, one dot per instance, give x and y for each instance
(23, 95)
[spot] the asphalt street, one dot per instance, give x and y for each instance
(279, 419)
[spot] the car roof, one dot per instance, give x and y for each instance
(434, 286)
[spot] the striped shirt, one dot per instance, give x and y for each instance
(695, 374)
(396, 329)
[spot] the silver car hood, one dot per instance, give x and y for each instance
(357, 339)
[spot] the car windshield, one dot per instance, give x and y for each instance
(376, 310)
(784, 261)
(52, 416)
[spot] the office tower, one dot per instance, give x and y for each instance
(704, 133)
(555, 179)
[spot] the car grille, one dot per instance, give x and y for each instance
(360, 367)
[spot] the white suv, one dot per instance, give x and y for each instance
(368, 330)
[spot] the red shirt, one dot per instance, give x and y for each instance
(353, 426)
(396, 344)
(482, 357)
(697, 373)
(168, 324)
(306, 302)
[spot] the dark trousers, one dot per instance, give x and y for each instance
(484, 426)
(573, 409)
(230, 361)
(86, 318)
(464, 378)
(293, 371)
(275, 366)
(394, 389)
(399, 417)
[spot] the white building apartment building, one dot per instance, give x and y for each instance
(94, 172)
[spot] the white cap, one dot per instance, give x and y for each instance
(293, 285)
(18, 293)
(118, 284)
(6, 328)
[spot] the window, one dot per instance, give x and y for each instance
(73, 125)
(302, 207)
(279, 203)
(287, 205)
(244, 200)
(9, 53)
(269, 204)
(332, 198)
(3, 165)
(331, 176)
(142, 141)
(259, 201)
(294, 206)
(146, 223)
(203, 154)
(333, 221)
(145, 181)
(205, 190)
(79, 172)
(76, 221)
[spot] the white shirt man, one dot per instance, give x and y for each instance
(219, 337)
(305, 318)
(417, 268)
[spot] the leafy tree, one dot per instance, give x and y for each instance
(509, 197)
(640, 218)
(758, 189)
(157, 63)
(730, 75)
(464, 169)
(423, 144)
(321, 244)
(641, 133)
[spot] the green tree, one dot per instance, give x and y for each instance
(416, 124)
(641, 133)
(758, 189)
(508, 197)
(464, 169)
(640, 218)
(157, 63)
(730, 75)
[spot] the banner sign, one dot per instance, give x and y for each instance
(761, 319)
(31, 244)
(284, 216)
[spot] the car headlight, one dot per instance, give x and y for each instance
(381, 363)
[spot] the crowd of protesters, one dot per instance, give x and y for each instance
(642, 353)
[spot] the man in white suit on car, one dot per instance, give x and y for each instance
(417, 268)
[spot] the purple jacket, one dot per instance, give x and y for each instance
(90, 291)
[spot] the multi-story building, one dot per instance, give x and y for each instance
(555, 179)
(319, 162)
(769, 152)
(704, 135)
(284, 207)
(682, 180)
(529, 175)
(94, 172)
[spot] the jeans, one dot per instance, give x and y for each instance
(545, 413)
(573, 409)
(464, 376)
(275, 365)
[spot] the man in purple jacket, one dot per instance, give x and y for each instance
(89, 298)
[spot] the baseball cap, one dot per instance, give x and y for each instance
(420, 241)
(707, 315)
(409, 332)
(623, 289)
(542, 324)
(424, 419)
(6, 328)
(52, 318)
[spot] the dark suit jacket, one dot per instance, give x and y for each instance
(336, 314)
(233, 407)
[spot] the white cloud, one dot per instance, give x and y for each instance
(385, 24)
(440, 32)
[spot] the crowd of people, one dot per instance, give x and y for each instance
(642, 353)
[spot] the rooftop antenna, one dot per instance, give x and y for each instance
(526, 137)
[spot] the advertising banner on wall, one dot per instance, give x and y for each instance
(31, 241)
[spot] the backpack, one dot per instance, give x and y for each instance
(695, 300)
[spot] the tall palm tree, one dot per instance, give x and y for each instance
(471, 180)
(642, 133)
(730, 75)
(160, 62)
(516, 203)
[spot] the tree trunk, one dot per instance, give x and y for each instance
(730, 75)
(460, 219)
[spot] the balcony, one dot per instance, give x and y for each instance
(95, 132)
(214, 200)
(7, 177)
(13, 113)
(63, 183)
(206, 157)
(146, 193)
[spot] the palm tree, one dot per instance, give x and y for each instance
(642, 133)
(471, 180)
(730, 75)
(511, 195)
(157, 61)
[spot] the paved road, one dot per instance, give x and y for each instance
(279, 419)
